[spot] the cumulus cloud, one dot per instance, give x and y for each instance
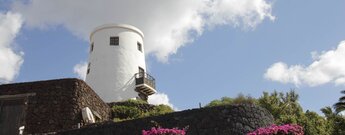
(167, 24)
(247, 13)
(328, 66)
(160, 98)
(10, 60)
(80, 70)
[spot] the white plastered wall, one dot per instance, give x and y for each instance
(112, 68)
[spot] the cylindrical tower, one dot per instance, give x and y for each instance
(116, 69)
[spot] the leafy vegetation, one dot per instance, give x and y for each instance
(340, 106)
(133, 109)
(126, 112)
(335, 122)
(159, 110)
(286, 109)
(240, 99)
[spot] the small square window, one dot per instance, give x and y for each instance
(114, 40)
(139, 46)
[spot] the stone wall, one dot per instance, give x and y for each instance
(222, 120)
(56, 105)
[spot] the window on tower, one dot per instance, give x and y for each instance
(139, 46)
(114, 40)
(88, 68)
(91, 47)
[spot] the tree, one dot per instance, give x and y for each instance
(314, 124)
(340, 106)
(335, 122)
(284, 107)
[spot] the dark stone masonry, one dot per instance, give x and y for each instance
(222, 120)
(54, 105)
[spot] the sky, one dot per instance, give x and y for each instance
(197, 50)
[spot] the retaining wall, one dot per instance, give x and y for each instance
(222, 120)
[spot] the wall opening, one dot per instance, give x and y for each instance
(12, 113)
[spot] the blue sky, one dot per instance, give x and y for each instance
(213, 60)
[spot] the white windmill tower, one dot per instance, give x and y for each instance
(117, 69)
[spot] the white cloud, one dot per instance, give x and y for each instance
(247, 13)
(80, 70)
(167, 24)
(160, 98)
(329, 66)
(340, 81)
(10, 60)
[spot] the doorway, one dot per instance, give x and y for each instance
(12, 115)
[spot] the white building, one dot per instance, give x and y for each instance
(117, 69)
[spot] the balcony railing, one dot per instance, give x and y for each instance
(145, 78)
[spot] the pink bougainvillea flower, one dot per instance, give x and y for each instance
(288, 129)
(164, 131)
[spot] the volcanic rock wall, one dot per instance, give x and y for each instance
(55, 105)
(222, 120)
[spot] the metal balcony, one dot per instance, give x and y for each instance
(145, 83)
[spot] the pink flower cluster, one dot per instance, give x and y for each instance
(164, 131)
(288, 129)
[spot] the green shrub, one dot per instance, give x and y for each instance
(126, 112)
(286, 109)
(133, 109)
(159, 110)
(134, 102)
(223, 101)
(240, 99)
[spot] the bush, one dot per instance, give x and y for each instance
(126, 112)
(132, 102)
(240, 99)
(133, 109)
(279, 130)
(159, 110)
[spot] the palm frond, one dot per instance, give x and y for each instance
(340, 106)
(342, 92)
(338, 110)
(342, 99)
(327, 110)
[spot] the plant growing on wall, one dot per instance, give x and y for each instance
(240, 99)
(133, 109)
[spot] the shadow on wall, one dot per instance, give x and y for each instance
(129, 85)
